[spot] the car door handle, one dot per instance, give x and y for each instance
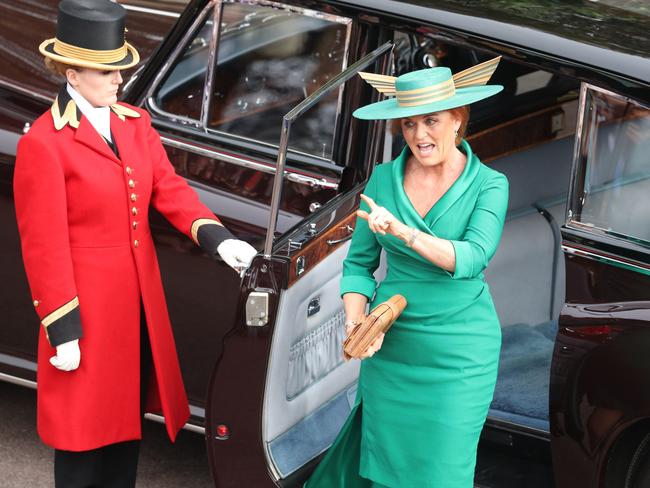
(333, 242)
(314, 306)
(311, 181)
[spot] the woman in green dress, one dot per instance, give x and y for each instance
(438, 212)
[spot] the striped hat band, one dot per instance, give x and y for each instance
(92, 55)
(427, 94)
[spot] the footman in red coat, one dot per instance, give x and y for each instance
(85, 176)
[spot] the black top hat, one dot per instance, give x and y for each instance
(90, 34)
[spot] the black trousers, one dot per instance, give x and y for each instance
(112, 466)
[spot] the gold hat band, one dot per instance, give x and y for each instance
(425, 101)
(92, 55)
(429, 94)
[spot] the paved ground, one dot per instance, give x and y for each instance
(25, 462)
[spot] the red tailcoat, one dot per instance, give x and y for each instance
(88, 253)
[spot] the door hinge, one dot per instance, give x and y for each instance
(257, 309)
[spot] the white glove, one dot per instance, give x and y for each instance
(237, 254)
(67, 356)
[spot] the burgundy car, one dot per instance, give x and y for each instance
(253, 100)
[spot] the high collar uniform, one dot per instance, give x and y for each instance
(82, 213)
(99, 117)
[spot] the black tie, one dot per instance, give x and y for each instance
(112, 145)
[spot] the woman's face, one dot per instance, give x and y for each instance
(98, 87)
(431, 137)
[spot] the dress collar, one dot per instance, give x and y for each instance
(455, 191)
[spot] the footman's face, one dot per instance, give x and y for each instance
(98, 87)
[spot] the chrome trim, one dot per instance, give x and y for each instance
(161, 420)
(211, 153)
(515, 428)
(346, 58)
(155, 11)
(126, 87)
(153, 107)
(149, 416)
(309, 181)
(212, 60)
(604, 258)
(276, 196)
(162, 72)
(333, 242)
(197, 411)
(270, 463)
(17, 381)
(307, 12)
(579, 166)
(25, 91)
(250, 164)
(291, 116)
(208, 86)
(236, 137)
(17, 362)
(610, 93)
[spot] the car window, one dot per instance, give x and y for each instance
(269, 58)
(614, 166)
(181, 91)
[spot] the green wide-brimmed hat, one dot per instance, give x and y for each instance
(428, 90)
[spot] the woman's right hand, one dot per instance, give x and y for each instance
(68, 356)
(374, 347)
(350, 325)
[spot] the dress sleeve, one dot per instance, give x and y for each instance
(178, 202)
(42, 215)
(364, 253)
(481, 238)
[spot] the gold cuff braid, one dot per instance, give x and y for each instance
(60, 312)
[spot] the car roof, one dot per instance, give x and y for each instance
(609, 35)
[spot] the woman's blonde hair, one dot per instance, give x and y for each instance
(461, 113)
(59, 68)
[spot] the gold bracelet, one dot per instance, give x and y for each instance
(352, 322)
(412, 237)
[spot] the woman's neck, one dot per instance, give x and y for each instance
(450, 167)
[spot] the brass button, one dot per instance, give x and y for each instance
(134, 197)
(36, 303)
(131, 184)
(134, 211)
(128, 170)
(135, 224)
(136, 243)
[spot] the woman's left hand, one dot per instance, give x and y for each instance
(379, 219)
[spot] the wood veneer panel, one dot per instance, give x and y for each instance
(318, 249)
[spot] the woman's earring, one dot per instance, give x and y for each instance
(456, 132)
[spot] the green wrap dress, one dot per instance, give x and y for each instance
(424, 396)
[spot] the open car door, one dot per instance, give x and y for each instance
(600, 375)
(280, 391)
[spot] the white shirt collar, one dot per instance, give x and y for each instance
(99, 117)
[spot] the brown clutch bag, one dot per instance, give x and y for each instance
(378, 320)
